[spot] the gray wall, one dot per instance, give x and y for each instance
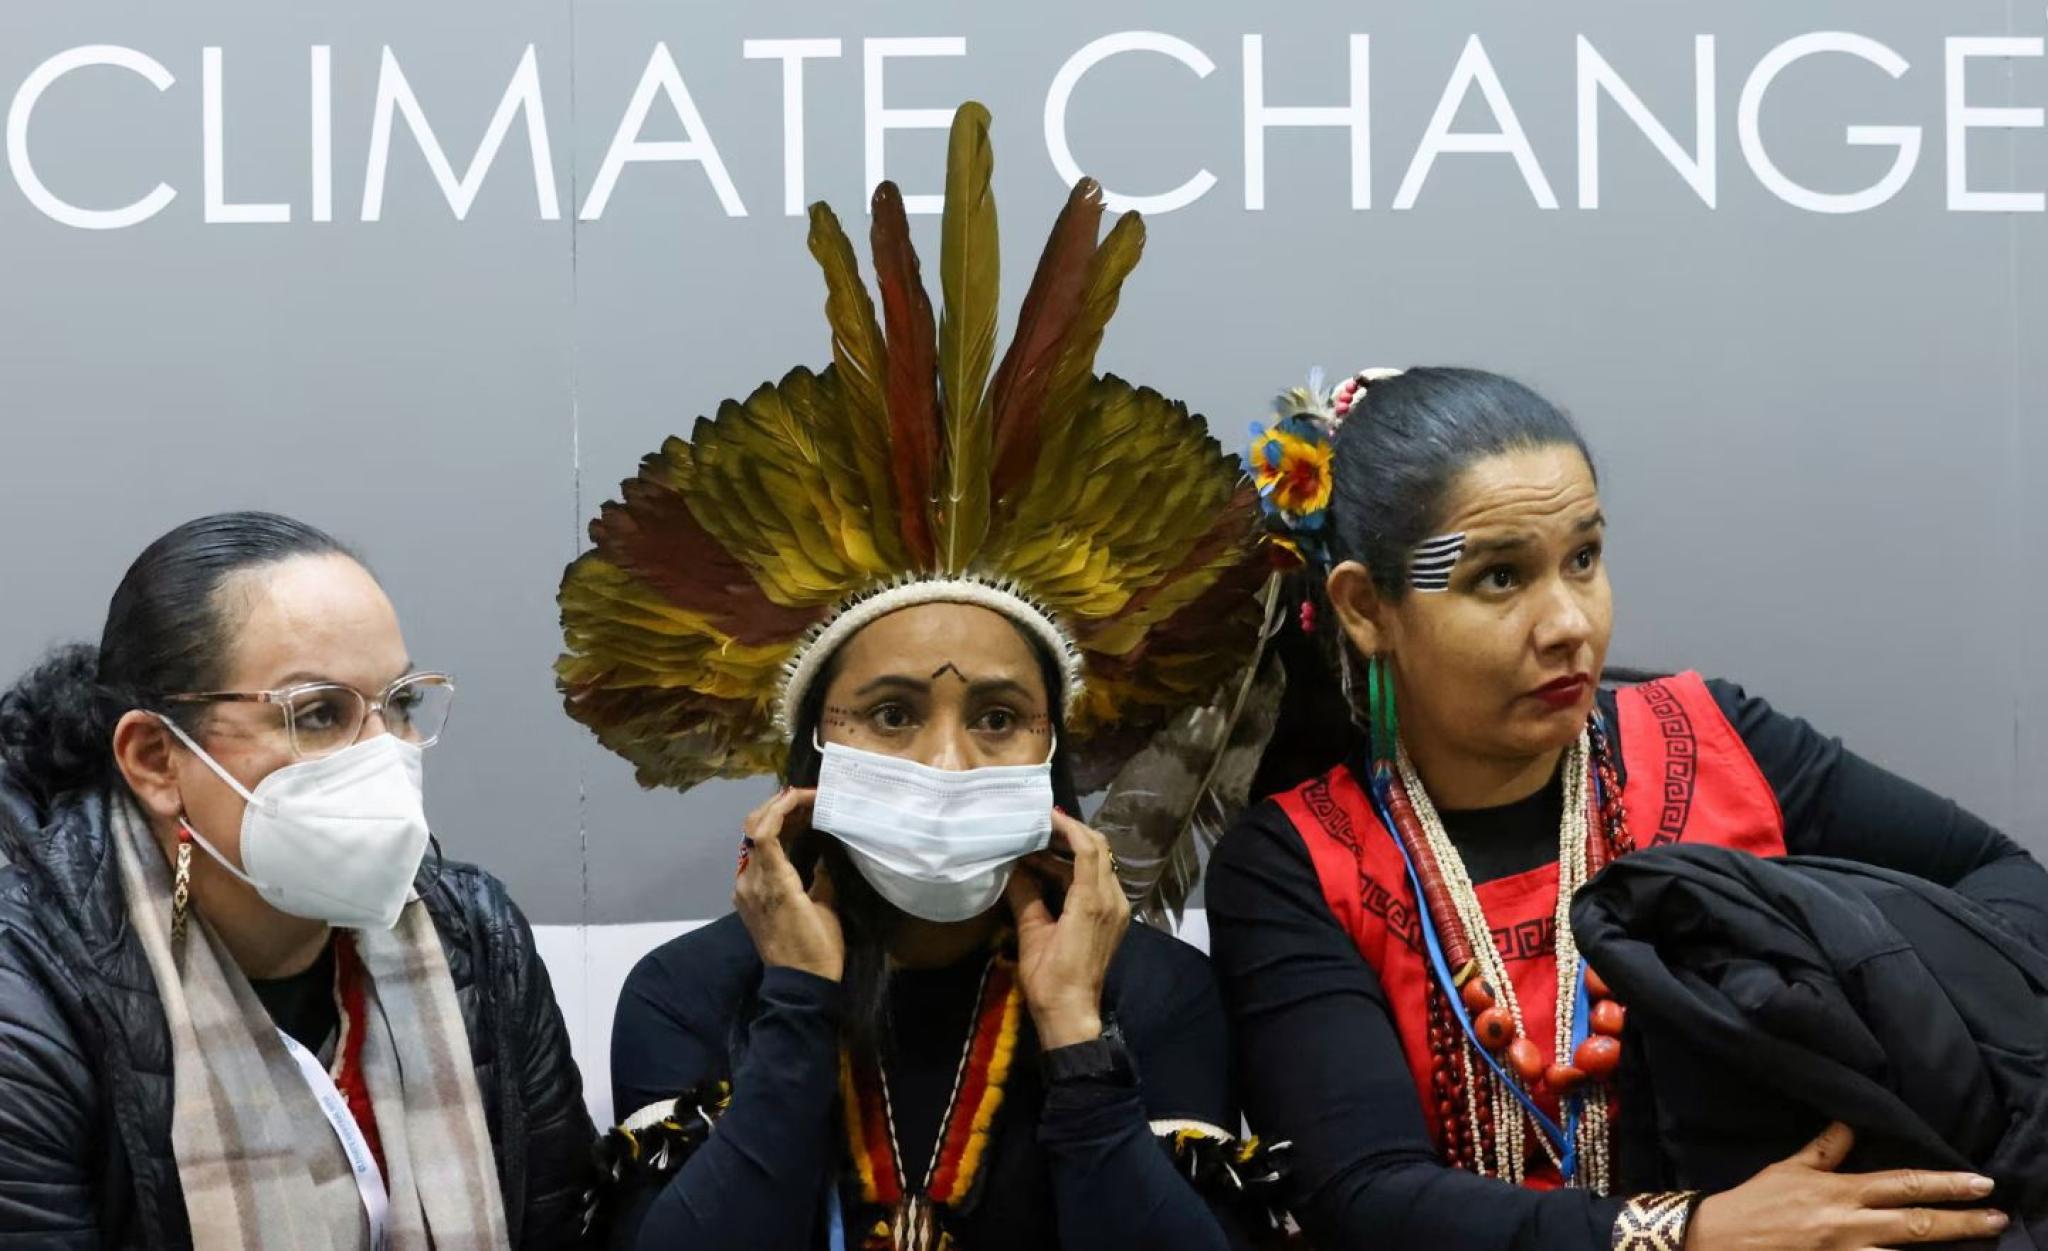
(1819, 431)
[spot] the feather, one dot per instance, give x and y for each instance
(1117, 512)
(1017, 396)
(1220, 549)
(1074, 371)
(653, 534)
(858, 353)
(969, 272)
(912, 370)
(659, 684)
(1172, 800)
(1069, 430)
(813, 404)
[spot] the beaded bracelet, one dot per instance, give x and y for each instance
(1654, 1222)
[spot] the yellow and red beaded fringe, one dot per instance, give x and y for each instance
(964, 1143)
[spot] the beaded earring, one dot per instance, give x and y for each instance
(181, 888)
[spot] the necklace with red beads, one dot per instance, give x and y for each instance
(1486, 1070)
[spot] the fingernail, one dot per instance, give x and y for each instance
(1981, 1185)
(1995, 1220)
(1062, 811)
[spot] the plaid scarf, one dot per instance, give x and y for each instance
(259, 1165)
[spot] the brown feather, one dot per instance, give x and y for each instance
(1017, 394)
(912, 371)
(1110, 264)
(652, 533)
(1173, 799)
(858, 352)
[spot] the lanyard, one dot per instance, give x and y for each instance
(835, 1218)
(1563, 1137)
(369, 1181)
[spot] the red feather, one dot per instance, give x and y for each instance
(911, 379)
(653, 534)
(1017, 396)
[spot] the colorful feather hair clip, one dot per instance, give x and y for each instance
(920, 465)
(1293, 463)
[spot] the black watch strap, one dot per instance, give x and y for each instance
(1102, 1059)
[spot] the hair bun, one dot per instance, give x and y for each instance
(55, 731)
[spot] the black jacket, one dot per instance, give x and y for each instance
(1768, 997)
(85, 1063)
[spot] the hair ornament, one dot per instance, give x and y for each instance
(1293, 463)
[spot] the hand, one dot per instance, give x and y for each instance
(1803, 1204)
(1061, 962)
(791, 928)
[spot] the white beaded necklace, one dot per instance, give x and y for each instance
(1511, 1123)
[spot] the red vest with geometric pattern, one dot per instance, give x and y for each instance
(1688, 778)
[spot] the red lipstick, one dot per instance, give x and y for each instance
(1565, 692)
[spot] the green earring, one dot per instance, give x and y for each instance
(1379, 702)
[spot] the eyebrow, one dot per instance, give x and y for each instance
(307, 677)
(1516, 542)
(979, 687)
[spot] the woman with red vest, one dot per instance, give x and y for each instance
(1408, 1003)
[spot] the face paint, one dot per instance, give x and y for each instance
(1430, 564)
(949, 667)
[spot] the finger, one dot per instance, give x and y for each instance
(1091, 851)
(1051, 866)
(1027, 902)
(752, 821)
(746, 884)
(1827, 1152)
(1905, 1226)
(1110, 882)
(1910, 1187)
(788, 814)
(769, 869)
(1104, 897)
(823, 892)
(784, 814)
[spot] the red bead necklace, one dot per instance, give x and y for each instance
(1469, 1104)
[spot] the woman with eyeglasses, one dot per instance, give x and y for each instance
(236, 1011)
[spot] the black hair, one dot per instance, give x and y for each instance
(868, 921)
(1406, 441)
(165, 634)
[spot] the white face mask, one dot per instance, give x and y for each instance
(937, 843)
(338, 839)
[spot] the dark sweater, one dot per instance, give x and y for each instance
(1074, 1166)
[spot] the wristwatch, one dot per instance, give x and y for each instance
(1100, 1059)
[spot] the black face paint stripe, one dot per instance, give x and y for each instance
(949, 667)
(1431, 562)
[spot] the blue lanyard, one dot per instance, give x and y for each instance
(835, 1219)
(1563, 1138)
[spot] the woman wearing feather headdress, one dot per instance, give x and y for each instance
(916, 587)
(1400, 947)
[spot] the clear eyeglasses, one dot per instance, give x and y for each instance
(321, 718)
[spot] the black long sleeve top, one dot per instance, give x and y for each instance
(1073, 1165)
(1317, 1056)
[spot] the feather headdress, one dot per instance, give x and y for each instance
(919, 466)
